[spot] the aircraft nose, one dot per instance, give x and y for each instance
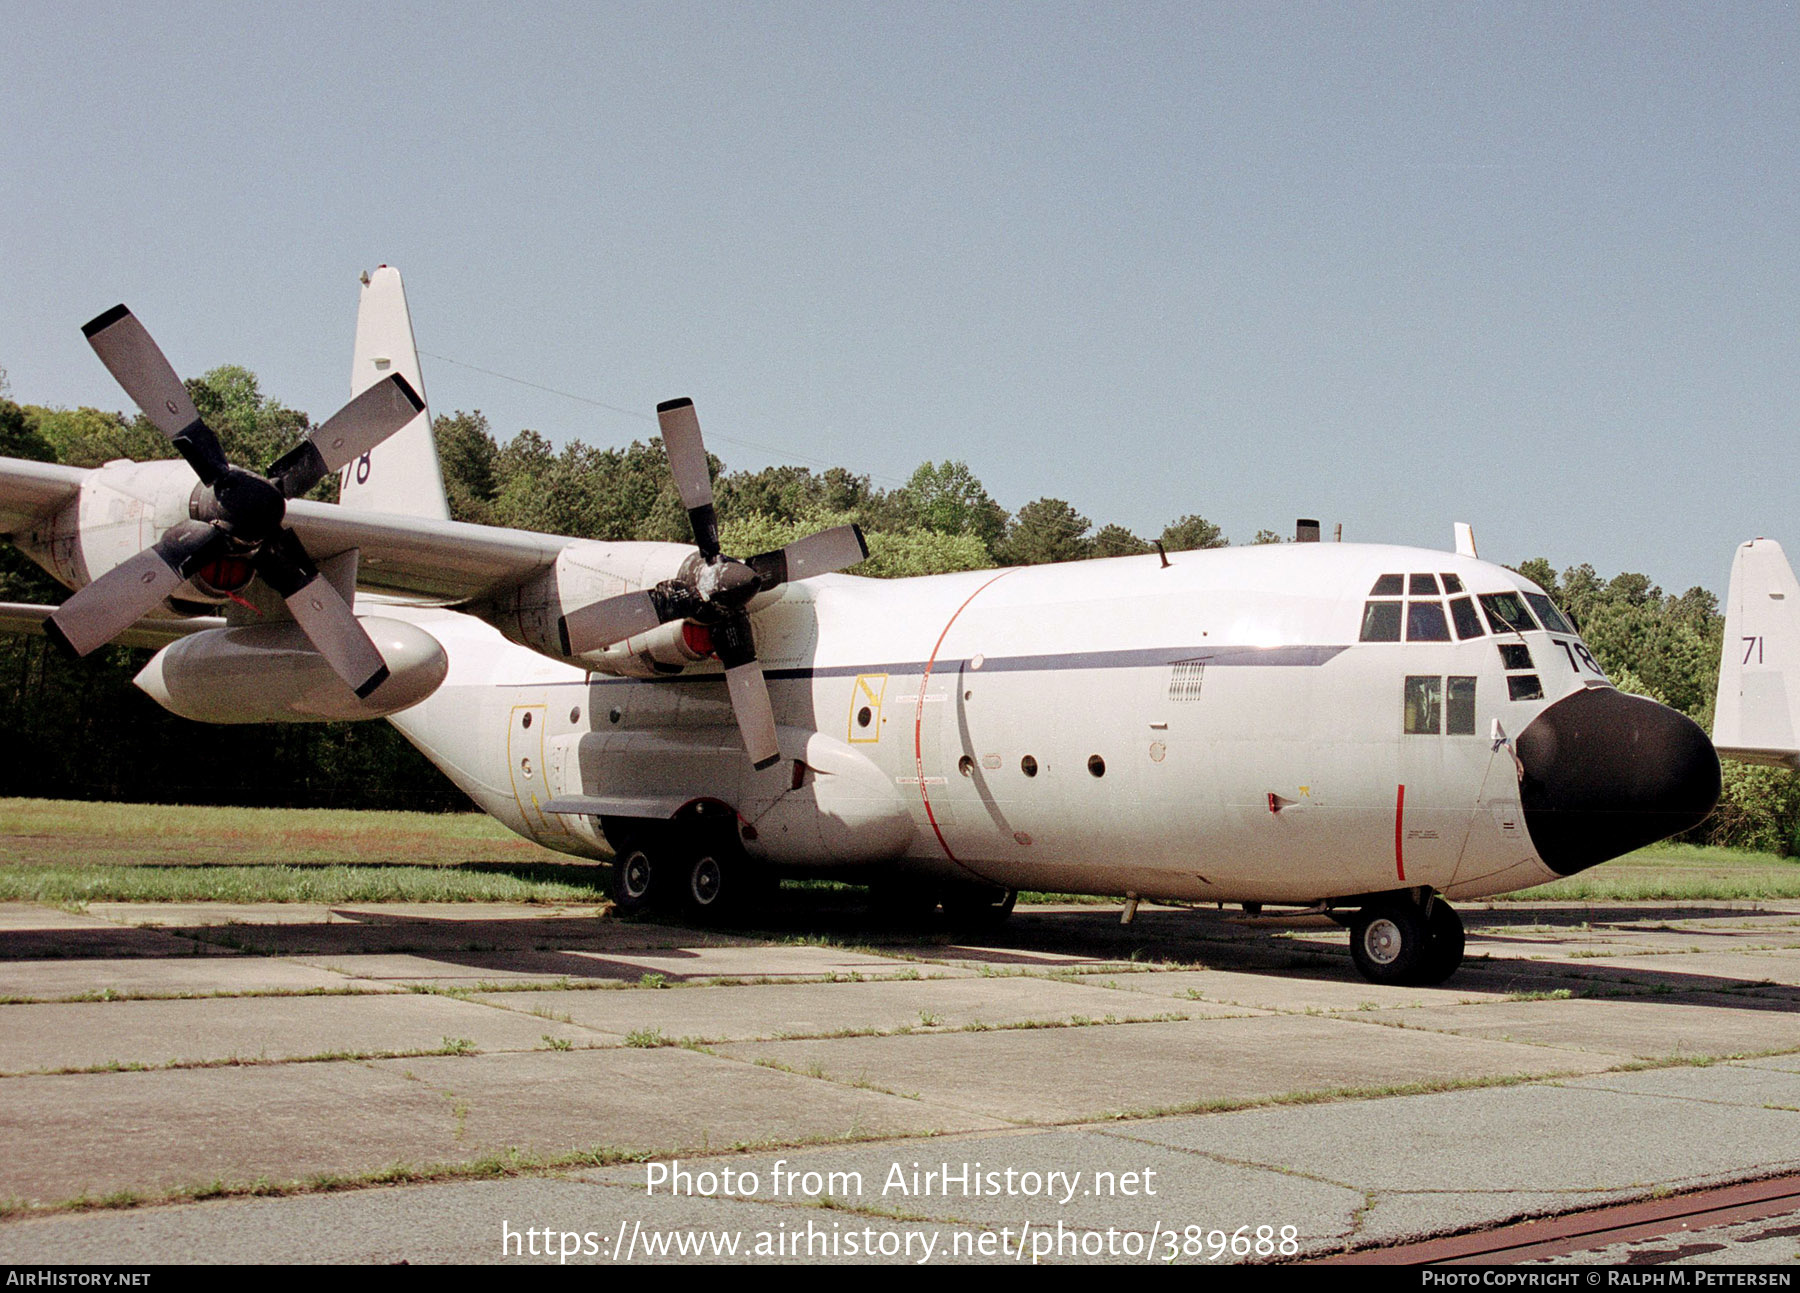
(1606, 773)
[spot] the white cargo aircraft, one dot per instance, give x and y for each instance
(1361, 731)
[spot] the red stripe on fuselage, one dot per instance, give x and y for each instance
(1400, 834)
(919, 717)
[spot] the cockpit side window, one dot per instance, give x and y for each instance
(1388, 586)
(1381, 622)
(1547, 612)
(1506, 613)
(1468, 623)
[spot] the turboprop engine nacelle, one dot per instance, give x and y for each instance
(587, 572)
(270, 673)
(121, 509)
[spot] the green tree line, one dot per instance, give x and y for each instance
(81, 730)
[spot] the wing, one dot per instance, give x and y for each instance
(424, 560)
(30, 491)
(416, 558)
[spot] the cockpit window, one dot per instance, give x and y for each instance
(1381, 621)
(1468, 623)
(1425, 622)
(1452, 584)
(1506, 613)
(1547, 612)
(1388, 586)
(1423, 586)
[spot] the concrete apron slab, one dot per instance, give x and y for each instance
(1101, 1071)
(55, 1037)
(1356, 1173)
(1648, 1028)
(476, 1221)
(95, 1134)
(180, 975)
(1438, 1162)
(771, 1011)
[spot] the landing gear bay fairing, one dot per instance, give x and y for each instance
(1361, 731)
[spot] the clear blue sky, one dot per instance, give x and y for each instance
(1394, 265)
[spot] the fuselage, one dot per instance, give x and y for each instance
(1285, 723)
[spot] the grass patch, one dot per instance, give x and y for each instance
(1674, 872)
(72, 885)
(61, 830)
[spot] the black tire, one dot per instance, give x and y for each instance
(978, 907)
(720, 885)
(1444, 945)
(1388, 941)
(638, 877)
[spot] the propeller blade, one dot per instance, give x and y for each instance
(338, 635)
(736, 649)
(138, 365)
(347, 435)
(755, 715)
(838, 548)
(687, 460)
(326, 619)
(102, 610)
(612, 619)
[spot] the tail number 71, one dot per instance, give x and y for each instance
(1753, 647)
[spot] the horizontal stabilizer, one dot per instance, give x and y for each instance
(1757, 718)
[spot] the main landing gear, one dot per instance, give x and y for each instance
(1400, 939)
(692, 866)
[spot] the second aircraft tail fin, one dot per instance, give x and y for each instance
(401, 474)
(1757, 718)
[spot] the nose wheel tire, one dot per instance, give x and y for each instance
(1397, 942)
(1444, 951)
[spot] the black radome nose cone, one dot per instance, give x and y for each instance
(1606, 773)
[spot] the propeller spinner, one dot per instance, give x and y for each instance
(236, 513)
(717, 593)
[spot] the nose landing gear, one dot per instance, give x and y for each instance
(1399, 939)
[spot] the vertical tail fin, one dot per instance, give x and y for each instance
(1757, 718)
(400, 475)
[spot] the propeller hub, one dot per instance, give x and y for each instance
(726, 583)
(243, 504)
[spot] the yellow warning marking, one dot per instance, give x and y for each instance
(867, 694)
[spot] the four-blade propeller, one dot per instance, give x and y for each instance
(236, 513)
(715, 592)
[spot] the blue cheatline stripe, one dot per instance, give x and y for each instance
(1142, 658)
